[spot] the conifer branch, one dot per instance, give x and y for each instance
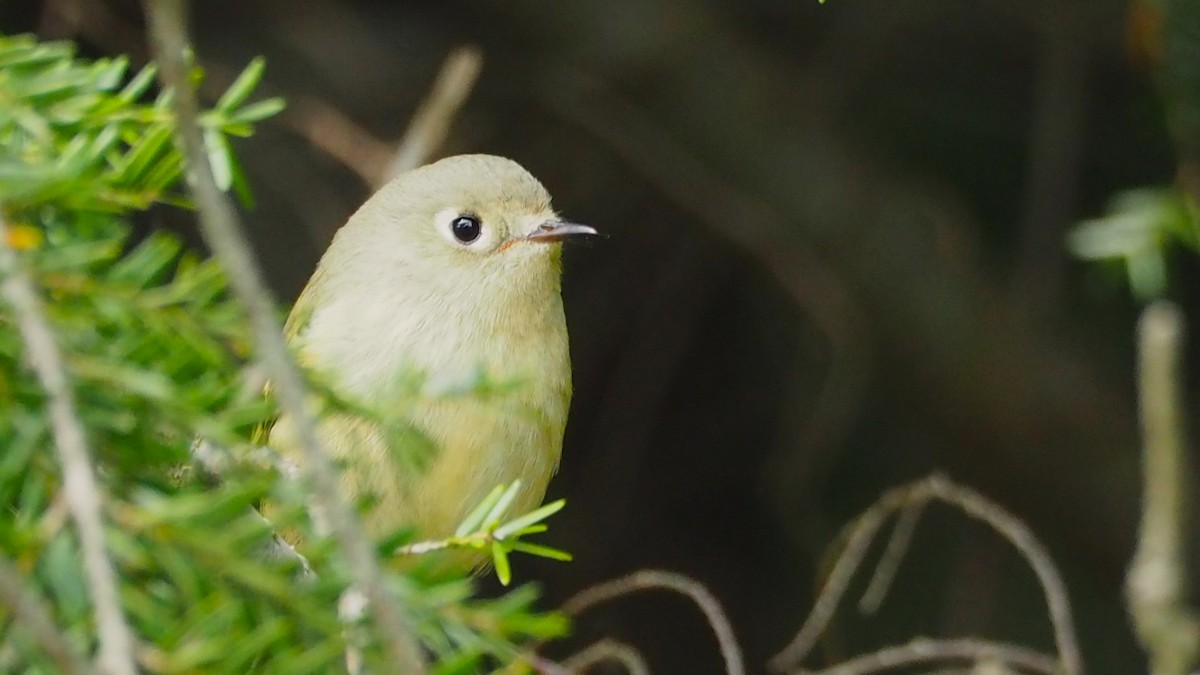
(30, 612)
(82, 492)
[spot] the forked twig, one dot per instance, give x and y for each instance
(377, 161)
(645, 580)
(862, 532)
(889, 562)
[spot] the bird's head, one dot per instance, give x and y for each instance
(474, 220)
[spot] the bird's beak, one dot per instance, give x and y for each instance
(559, 231)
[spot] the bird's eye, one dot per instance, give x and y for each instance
(466, 229)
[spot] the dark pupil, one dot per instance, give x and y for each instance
(466, 229)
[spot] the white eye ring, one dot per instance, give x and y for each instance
(465, 229)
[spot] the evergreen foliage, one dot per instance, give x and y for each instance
(157, 354)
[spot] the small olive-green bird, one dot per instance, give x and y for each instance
(449, 271)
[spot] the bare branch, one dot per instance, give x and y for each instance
(889, 562)
(1156, 583)
(83, 494)
(1016, 532)
(644, 580)
(375, 161)
(604, 651)
(219, 225)
(862, 532)
(925, 651)
(430, 123)
(330, 130)
(30, 613)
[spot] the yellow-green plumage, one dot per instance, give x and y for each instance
(397, 293)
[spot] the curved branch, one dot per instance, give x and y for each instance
(925, 651)
(607, 650)
(863, 530)
(644, 580)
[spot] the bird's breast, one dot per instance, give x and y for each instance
(492, 408)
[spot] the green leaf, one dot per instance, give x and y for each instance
(530, 518)
(108, 74)
(220, 157)
(257, 111)
(476, 517)
(501, 506)
(500, 560)
(243, 86)
(541, 551)
(467, 663)
(140, 158)
(138, 85)
(241, 184)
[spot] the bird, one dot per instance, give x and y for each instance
(448, 275)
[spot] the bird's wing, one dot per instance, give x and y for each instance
(293, 328)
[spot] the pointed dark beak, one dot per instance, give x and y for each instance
(558, 231)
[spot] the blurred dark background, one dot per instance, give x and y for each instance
(836, 263)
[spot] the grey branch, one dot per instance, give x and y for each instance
(1156, 583)
(607, 651)
(925, 651)
(83, 494)
(863, 530)
(861, 533)
(330, 130)
(431, 122)
(30, 613)
(644, 580)
(374, 160)
(889, 562)
(220, 228)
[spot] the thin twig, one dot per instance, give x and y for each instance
(1156, 583)
(427, 130)
(889, 562)
(925, 651)
(863, 530)
(424, 547)
(607, 650)
(30, 613)
(1020, 536)
(84, 496)
(644, 580)
(333, 132)
(858, 540)
(219, 226)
